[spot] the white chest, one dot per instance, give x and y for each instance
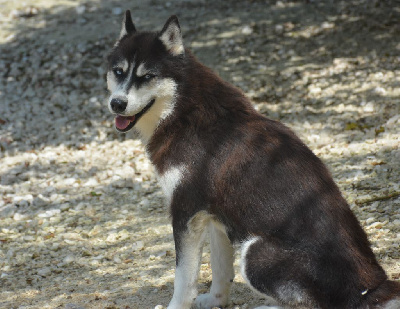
(170, 180)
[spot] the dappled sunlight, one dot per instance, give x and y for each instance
(82, 219)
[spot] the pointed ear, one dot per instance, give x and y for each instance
(127, 25)
(171, 36)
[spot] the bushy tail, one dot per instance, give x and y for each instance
(386, 296)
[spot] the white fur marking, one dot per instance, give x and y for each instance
(122, 32)
(184, 293)
(164, 92)
(111, 82)
(123, 64)
(291, 293)
(222, 259)
(141, 70)
(170, 180)
(245, 247)
(393, 304)
(185, 285)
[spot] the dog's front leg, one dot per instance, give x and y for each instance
(188, 244)
(222, 258)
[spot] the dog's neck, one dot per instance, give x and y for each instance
(204, 105)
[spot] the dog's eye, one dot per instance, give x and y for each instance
(148, 76)
(118, 71)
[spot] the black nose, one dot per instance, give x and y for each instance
(118, 105)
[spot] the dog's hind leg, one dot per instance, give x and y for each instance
(222, 270)
(267, 268)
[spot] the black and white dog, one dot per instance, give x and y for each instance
(246, 179)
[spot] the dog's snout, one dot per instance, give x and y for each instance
(118, 105)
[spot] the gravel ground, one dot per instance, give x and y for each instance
(82, 219)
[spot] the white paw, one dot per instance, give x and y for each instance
(209, 301)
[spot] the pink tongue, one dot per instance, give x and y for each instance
(122, 122)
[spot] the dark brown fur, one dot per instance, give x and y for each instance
(258, 178)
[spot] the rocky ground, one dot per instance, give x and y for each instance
(82, 219)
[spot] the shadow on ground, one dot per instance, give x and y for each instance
(270, 49)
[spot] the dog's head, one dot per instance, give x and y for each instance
(141, 75)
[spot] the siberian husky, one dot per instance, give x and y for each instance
(249, 180)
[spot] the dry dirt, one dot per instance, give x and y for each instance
(82, 219)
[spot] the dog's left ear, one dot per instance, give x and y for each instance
(127, 25)
(171, 36)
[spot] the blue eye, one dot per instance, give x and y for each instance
(118, 71)
(148, 76)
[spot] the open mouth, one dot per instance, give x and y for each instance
(125, 123)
